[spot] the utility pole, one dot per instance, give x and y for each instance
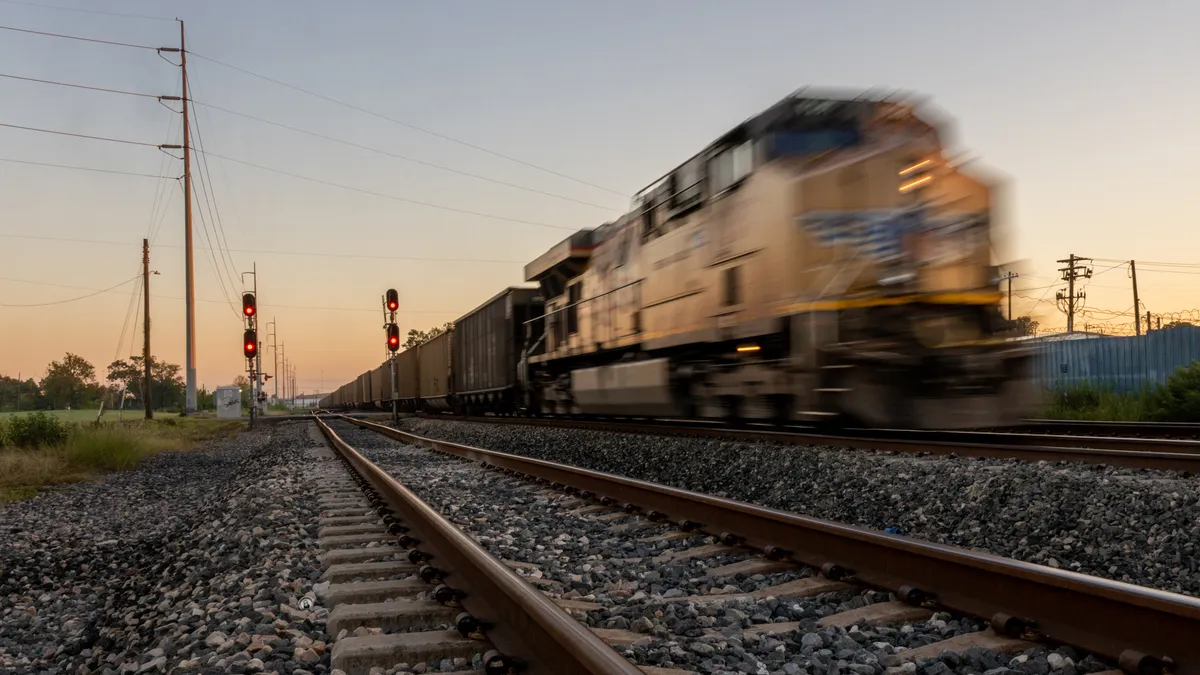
(146, 384)
(283, 361)
(188, 256)
(271, 327)
(1009, 278)
(1137, 324)
(1070, 273)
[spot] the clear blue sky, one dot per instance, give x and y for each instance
(1086, 107)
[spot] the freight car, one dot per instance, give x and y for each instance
(823, 261)
(433, 373)
(487, 348)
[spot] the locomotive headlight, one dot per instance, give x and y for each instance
(909, 186)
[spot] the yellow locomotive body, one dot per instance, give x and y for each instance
(823, 261)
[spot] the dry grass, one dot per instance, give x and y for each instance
(96, 448)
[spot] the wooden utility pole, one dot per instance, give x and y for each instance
(146, 383)
(1137, 323)
(1009, 277)
(1070, 273)
(189, 276)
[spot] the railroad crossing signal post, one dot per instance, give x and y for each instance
(390, 304)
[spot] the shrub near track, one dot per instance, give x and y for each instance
(39, 450)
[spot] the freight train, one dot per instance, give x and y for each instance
(825, 261)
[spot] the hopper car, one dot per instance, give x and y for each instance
(826, 261)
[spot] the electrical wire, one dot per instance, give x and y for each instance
(393, 197)
(68, 133)
(409, 125)
(195, 86)
(77, 86)
(218, 230)
(87, 168)
(159, 190)
(403, 157)
(76, 37)
(212, 257)
(274, 252)
(62, 302)
(162, 216)
(223, 302)
(87, 11)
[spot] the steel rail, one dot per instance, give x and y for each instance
(893, 441)
(520, 621)
(1146, 630)
(1089, 427)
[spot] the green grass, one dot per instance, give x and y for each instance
(95, 448)
(90, 415)
(1097, 404)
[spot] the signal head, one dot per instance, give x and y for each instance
(250, 343)
(393, 337)
(393, 299)
(248, 307)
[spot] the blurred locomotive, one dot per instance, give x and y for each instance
(823, 262)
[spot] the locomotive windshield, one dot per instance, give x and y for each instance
(804, 126)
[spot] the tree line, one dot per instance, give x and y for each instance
(71, 383)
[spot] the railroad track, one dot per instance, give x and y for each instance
(1162, 454)
(1138, 430)
(1144, 630)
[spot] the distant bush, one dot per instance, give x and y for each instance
(1178, 399)
(1090, 402)
(36, 430)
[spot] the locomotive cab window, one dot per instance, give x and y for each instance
(574, 293)
(731, 287)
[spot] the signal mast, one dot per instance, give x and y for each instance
(391, 302)
(250, 348)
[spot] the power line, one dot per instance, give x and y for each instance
(222, 302)
(403, 157)
(76, 37)
(206, 183)
(68, 133)
(213, 257)
(410, 125)
(82, 297)
(86, 168)
(218, 230)
(77, 86)
(87, 11)
(394, 197)
(151, 230)
(271, 252)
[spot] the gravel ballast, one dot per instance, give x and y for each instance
(192, 562)
(1137, 526)
(576, 557)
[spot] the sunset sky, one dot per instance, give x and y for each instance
(1086, 107)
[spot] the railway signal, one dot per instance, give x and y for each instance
(250, 343)
(393, 300)
(393, 337)
(248, 307)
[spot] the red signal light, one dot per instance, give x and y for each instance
(393, 333)
(393, 299)
(249, 343)
(248, 307)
